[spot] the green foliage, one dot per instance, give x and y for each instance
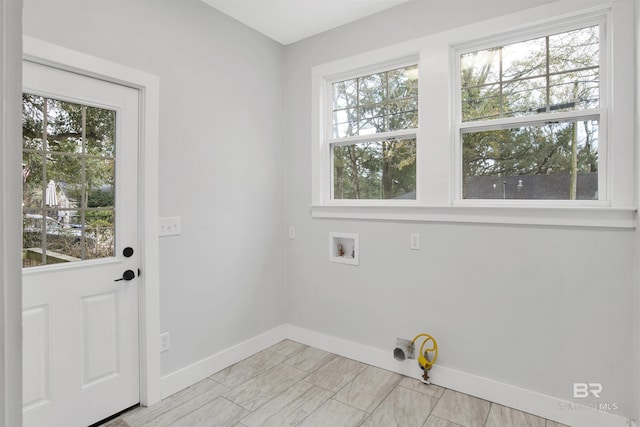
(376, 170)
(73, 146)
(511, 81)
(372, 105)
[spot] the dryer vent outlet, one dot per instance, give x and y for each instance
(404, 350)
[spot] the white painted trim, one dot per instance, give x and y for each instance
(10, 202)
(437, 159)
(563, 216)
(148, 86)
(505, 394)
(189, 375)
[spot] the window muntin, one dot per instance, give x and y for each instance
(374, 121)
(560, 72)
(68, 177)
(530, 119)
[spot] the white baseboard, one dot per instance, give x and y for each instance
(189, 375)
(504, 394)
(544, 406)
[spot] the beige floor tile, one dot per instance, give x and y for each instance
(417, 385)
(336, 373)
(290, 407)
(294, 384)
(220, 412)
(401, 408)
(369, 388)
(462, 409)
(334, 414)
(434, 421)
(309, 359)
(287, 348)
(501, 416)
(259, 390)
(247, 369)
(118, 422)
(177, 405)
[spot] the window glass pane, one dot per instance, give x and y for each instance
(525, 59)
(574, 50)
(32, 239)
(524, 97)
(375, 170)
(100, 129)
(574, 90)
(481, 102)
(373, 119)
(345, 94)
(480, 67)
(403, 114)
(99, 234)
(64, 126)
(513, 80)
(64, 181)
(403, 83)
(345, 123)
(376, 103)
(32, 185)
(372, 89)
(32, 121)
(548, 161)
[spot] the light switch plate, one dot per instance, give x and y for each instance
(170, 226)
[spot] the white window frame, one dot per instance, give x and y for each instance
(438, 152)
(601, 113)
(329, 141)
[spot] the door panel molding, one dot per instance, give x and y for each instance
(36, 325)
(148, 86)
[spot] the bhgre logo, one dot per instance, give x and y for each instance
(584, 390)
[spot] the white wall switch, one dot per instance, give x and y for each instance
(164, 342)
(292, 232)
(170, 226)
(414, 241)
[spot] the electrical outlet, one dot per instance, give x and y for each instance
(292, 232)
(414, 241)
(164, 342)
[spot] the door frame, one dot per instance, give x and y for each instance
(148, 86)
(10, 189)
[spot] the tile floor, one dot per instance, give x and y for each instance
(291, 384)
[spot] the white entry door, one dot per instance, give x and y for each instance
(80, 216)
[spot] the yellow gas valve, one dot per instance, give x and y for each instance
(428, 355)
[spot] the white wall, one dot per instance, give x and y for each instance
(636, 333)
(222, 280)
(534, 307)
(10, 267)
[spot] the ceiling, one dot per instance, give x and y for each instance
(288, 21)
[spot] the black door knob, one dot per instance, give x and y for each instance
(127, 252)
(127, 275)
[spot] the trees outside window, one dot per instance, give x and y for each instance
(373, 127)
(530, 118)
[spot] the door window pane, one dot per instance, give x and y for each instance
(68, 176)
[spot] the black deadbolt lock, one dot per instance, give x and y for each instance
(127, 252)
(127, 275)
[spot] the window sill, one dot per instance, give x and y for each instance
(602, 217)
